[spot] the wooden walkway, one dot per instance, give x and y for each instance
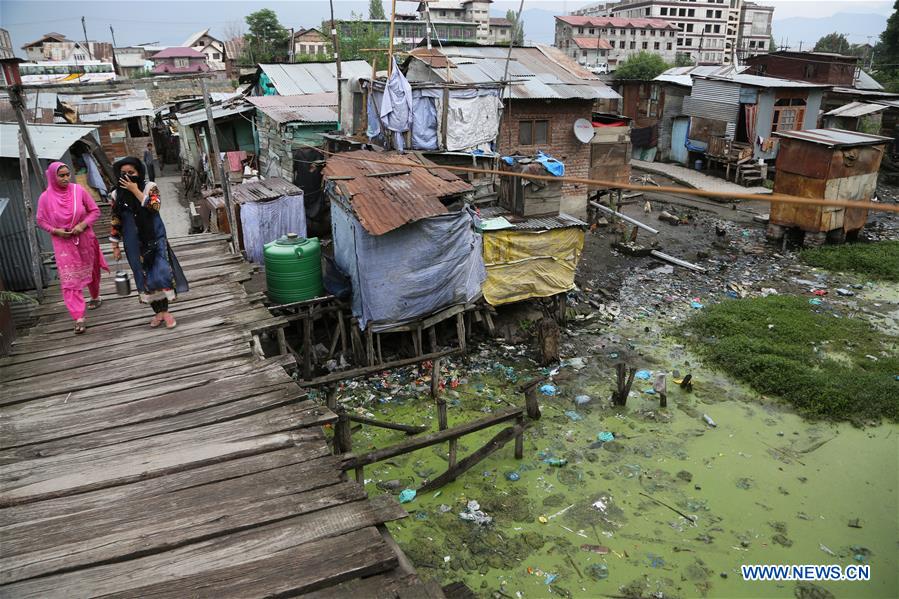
(153, 463)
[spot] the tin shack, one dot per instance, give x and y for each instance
(825, 163)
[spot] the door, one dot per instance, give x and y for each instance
(679, 129)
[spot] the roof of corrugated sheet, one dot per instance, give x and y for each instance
(766, 82)
(684, 75)
(592, 43)
(228, 108)
(178, 52)
(580, 21)
(266, 189)
(834, 138)
(50, 141)
(308, 108)
(865, 81)
(385, 203)
(109, 106)
(854, 109)
(39, 106)
(533, 223)
(872, 93)
(312, 77)
(539, 72)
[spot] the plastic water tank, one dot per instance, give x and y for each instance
(293, 269)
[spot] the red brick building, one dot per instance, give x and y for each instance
(812, 67)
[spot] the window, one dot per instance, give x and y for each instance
(709, 13)
(656, 46)
(612, 43)
(688, 41)
(216, 56)
(645, 45)
(584, 53)
(580, 30)
(717, 14)
(592, 31)
(717, 29)
(669, 46)
(533, 133)
(680, 41)
(691, 13)
(788, 114)
(682, 12)
(182, 62)
(690, 28)
(663, 11)
(633, 45)
(621, 32)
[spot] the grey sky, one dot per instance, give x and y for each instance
(171, 22)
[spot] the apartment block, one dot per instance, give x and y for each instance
(599, 41)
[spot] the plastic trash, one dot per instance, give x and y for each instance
(819, 292)
(708, 420)
(768, 291)
(513, 476)
(695, 303)
(845, 292)
(550, 578)
(582, 399)
(555, 461)
(574, 416)
(613, 355)
(542, 519)
(407, 495)
(474, 514)
(605, 436)
(598, 571)
(815, 301)
(548, 390)
(576, 363)
(643, 375)
(600, 549)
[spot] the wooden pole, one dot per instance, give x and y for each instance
(335, 41)
(87, 44)
(435, 378)
(343, 436)
(18, 104)
(307, 347)
(30, 227)
(406, 428)
(390, 47)
(218, 164)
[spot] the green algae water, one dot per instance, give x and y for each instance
(671, 508)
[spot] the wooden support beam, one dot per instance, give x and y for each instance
(34, 248)
(432, 336)
(460, 330)
(435, 377)
(307, 348)
(282, 342)
(406, 428)
(367, 370)
(466, 464)
(342, 326)
(343, 437)
(532, 407)
(416, 443)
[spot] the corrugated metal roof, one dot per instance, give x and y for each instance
(767, 82)
(309, 108)
(865, 81)
(109, 106)
(267, 189)
(385, 203)
(834, 138)
(538, 223)
(856, 109)
(312, 77)
(851, 91)
(539, 72)
(684, 75)
(50, 141)
(218, 111)
(40, 105)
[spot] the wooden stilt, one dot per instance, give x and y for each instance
(307, 348)
(460, 330)
(435, 377)
(370, 346)
(343, 438)
(378, 339)
(432, 335)
(530, 399)
(282, 342)
(360, 475)
(451, 462)
(342, 327)
(420, 348)
(331, 398)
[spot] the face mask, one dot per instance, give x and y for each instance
(132, 178)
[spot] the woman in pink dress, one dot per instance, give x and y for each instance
(66, 211)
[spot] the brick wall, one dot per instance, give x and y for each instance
(563, 145)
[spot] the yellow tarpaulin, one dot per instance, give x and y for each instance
(526, 264)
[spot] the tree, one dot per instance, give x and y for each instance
(772, 45)
(643, 66)
(376, 10)
(833, 42)
(267, 40)
(356, 35)
(886, 53)
(517, 28)
(683, 59)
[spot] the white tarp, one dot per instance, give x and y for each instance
(262, 222)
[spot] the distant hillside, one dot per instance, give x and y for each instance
(856, 27)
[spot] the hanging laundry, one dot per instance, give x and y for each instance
(396, 107)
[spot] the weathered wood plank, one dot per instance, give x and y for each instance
(380, 586)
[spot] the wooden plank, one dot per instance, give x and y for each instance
(227, 566)
(166, 522)
(122, 463)
(380, 586)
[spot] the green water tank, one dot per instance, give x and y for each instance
(293, 269)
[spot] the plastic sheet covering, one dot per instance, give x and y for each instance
(262, 222)
(528, 264)
(412, 271)
(396, 106)
(374, 122)
(424, 122)
(472, 121)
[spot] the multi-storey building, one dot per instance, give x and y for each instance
(598, 41)
(310, 42)
(710, 31)
(755, 30)
(213, 48)
(58, 48)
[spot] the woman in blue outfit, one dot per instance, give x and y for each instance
(136, 223)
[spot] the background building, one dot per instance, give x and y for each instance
(595, 41)
(710, 31)
(212, 48)
(310, 42)
(58, 48)
(173, 61)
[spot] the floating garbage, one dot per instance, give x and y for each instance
(582, 399)
(819, 292)
(643, 375)
(605, 436)
(513, 476)
(598, 571)
(474, 514)
(542, 519)
(845, 292)
(555, 461)
(600, 549)
(548, 390)
(576, 363)
(708, 420)
(443, 508)
(695, 304)
(550, 578)
(574, 416)
(407, 495)
(815, 301)
(613, 355)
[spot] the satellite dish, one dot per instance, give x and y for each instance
(583, 130)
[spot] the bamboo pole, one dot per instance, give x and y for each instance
(214, 140)
(33, 247)
(390, 47)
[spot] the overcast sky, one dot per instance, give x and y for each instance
(172, 22)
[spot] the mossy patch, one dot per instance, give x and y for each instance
(877, 260)
(781, 345)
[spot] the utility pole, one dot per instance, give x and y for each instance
(291, 48)
(800, 45)
(87, 44)
(218, 165)
(18, 104)
(335, 41)
(390, 48)
(115, 63)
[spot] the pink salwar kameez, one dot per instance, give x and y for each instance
(78, 258)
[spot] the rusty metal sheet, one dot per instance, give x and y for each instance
(801, 158)
(385, 203)
(856, 160)
(834, 138)
(807, 218)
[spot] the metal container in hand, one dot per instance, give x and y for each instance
(122, 283)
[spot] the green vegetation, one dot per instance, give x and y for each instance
(267, 40)
(643, 66)
(781, 345)
(517, 27)
(376, 10)
(877, 260)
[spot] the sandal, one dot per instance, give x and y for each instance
(156, 321)
(79, 327)
(170, 322)
(95, 303)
